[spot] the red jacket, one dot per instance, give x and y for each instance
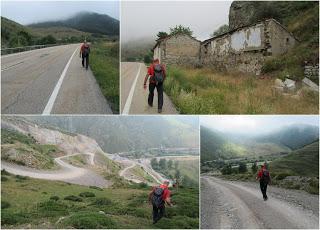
(166, 191)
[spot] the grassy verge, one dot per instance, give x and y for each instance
(201, 91)
(104, 63)
(33, 203)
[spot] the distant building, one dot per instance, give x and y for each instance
(242, 50)
(177, 49)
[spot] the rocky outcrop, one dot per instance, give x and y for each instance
(240, 14)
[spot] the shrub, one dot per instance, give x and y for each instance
(95, 187)
(87, 194)
(73, 198)
(11, 218)
(90, 220)
(102, 201)
(51, 208)
(5, 204)
(55, 198)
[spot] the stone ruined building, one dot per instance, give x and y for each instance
(243, 49)
(177, 49)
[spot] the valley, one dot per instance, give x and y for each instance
(78, 169)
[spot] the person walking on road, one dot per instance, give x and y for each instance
(264, 177)
(157, 74)
(84, 53)
(159, 196)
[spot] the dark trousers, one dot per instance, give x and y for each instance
(159, 87)
(85, 58)
(157, 213)
(263, 187)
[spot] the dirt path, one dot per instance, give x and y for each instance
(226, 204)
(134, 97)
(66, 173)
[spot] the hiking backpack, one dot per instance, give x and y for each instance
(156, 198)
(265, 175)
(86, 50)
(158, 73)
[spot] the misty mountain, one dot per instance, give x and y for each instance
(219, 145)
(294, 136)
(122, 134)
(86, 22)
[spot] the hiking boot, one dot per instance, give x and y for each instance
(159, 110)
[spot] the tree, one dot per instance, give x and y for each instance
(154, 163)
(163, 163)
(170, 163)
(162, 35)
(243, 167)
(226, 170)
(177, 174)
(254, 167)
(176, 164)
(221, 30)
(181, 30)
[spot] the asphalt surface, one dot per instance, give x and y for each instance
(226, 204)
(30, 78)
(136, 102)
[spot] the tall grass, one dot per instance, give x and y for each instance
(202, 91)
(104, 63)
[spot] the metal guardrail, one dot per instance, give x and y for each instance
(25, 48)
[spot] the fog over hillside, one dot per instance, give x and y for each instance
(121, 134)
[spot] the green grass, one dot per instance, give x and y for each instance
(104, 62)
(31, 206)
(26, 150)
(203, 91)
(303, 162)
(139, 172)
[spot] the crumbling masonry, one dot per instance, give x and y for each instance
(243, 49)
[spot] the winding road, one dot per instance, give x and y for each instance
(49, 81)
(66, 172)
(226, 204)
(134, 97)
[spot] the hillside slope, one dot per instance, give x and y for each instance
(86, 22)
(302, 162)
(128, 133)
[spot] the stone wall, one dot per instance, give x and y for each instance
(311, 72)
(241, 50)
(180, 50)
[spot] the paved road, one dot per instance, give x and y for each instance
(30, 83)
(67, 172)
(134, 97)
(226, 204)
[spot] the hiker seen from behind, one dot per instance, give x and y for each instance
(84, 53)
(159, 197)
(264, 178)
(156, 75)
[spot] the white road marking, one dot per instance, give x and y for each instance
(49, 106)
(127, 106)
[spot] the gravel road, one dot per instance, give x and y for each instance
(230, 204)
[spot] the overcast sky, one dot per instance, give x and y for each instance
(38, 11)
(255, 124)
(146, 19)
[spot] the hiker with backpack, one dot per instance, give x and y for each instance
(265, 179)
(84, 53)
(157, 74)
(159, 196)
